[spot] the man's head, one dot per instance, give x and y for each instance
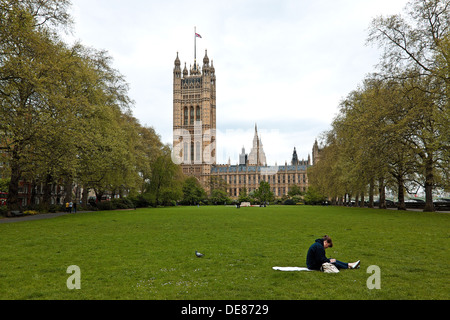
(327, 242)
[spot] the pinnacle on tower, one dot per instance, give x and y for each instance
(294, 160)
(185, 71)
(177, 69)
(206, 59)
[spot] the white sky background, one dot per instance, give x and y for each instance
(282, 64)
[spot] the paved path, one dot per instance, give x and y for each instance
(33, 217)
(41, 216)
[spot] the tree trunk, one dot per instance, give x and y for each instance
(401, 193)
(68, 190)
(429, 179)
(99, 194)
(85, 197)
(371, 187)
(34, 195)
(12, 201)
(382, 190)
(46, 198)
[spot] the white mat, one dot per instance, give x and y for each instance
(291, 269)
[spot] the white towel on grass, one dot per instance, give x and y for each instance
(291, 269)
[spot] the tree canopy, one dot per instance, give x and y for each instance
(393, 130)
(65, 111)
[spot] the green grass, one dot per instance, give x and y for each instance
(149, 254)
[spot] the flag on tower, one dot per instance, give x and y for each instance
(197, 35)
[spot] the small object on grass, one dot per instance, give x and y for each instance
(198, 254)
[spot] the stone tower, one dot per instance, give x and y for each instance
(294, 160)
(194, 118)
(315, 153)
(257, 155)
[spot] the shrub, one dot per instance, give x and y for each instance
(140, 201)
(90, 207)
(105, 205)
(30, 212)
(118, 204)
(289, 202)
(314, 197)
(122, 203)
(55, 208)
(3, 210)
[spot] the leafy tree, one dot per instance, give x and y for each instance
(416, 48)
(217, 183)
(4, 184)
(295, 191)
(105, 156)
(393, 129)
(65, 111)
(148, 148)
(29, 69)
(263, 193)
(416, 43)
(312, 196)
(327, 174)
(219, 197)
(244, 196)
(166, 180)
(193, 192)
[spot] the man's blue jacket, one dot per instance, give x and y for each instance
(316, 255)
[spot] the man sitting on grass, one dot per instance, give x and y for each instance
(316, 256)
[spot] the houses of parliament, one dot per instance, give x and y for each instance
(194, 140)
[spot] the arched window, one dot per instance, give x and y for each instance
(197, 113)
(192, 117)
(185, 152)
(186, 116)
(197, 151)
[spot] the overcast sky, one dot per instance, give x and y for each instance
(282, 64)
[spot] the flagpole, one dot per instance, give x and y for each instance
(195, 45)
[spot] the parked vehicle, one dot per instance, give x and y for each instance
(3, 196)
(442, 204)
(389, 203)
(411, 200)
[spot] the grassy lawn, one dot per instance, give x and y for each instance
(149, 254)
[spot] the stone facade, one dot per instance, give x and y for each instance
(194, 139)
(194, 118)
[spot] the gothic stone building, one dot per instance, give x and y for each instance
(194, 139)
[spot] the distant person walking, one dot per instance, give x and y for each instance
(315, 257)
